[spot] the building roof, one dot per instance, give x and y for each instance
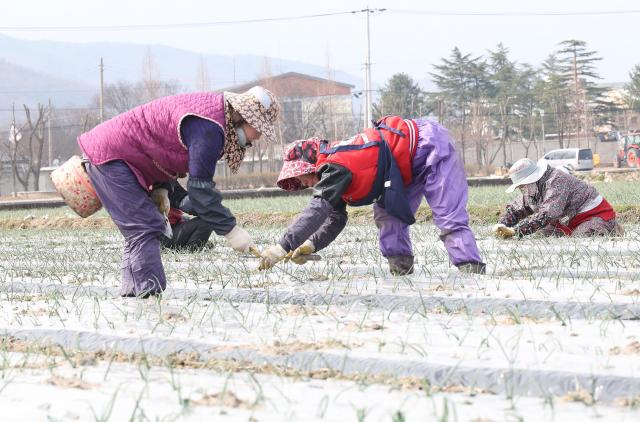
(275, 83)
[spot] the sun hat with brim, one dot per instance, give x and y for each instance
(298, 159)
(525, 171)
(258, 107)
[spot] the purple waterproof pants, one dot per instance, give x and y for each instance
(140, 223)
(439, 177)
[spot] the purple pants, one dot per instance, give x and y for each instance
(439, 177)
(140, 223)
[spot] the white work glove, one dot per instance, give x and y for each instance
(271, 256)
(502, 231)
(301, 254)
(160, 197)
(239, 239)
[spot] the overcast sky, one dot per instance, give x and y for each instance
(403, 39)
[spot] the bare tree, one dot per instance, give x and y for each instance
(150, 77)
(26, 153)
(123, 96)
(120, 97)
(203, 82)
(69, 125)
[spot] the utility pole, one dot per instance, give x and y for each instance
(49, 131)
(367, 78)
(14, 138)
(367, 71)
(234, 70)
(544, 141)
(101, 90)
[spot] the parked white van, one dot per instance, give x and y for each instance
(571, 158)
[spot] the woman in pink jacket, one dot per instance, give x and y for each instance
(158, 142)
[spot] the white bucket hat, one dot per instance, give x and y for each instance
(525, 171)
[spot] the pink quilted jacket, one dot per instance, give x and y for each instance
(148, 138)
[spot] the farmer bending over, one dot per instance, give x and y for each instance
(392, 165)
(554, 202)
(158, 142)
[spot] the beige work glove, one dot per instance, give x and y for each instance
(240, 240)
(301, 254)
(160, 197)
(502, 231)
(271, 256)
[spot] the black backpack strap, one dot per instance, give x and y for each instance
(341, 148)
(380, 125)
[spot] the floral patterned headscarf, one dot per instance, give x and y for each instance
(233, 152)
(299, 159)
(258, 107)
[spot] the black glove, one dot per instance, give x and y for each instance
(473, 267)
(400, 264)
(176, 194)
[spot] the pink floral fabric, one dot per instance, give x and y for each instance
(299, 159)
(261, 113)
(233, 152)
(253, 111)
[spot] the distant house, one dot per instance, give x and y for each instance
(310, 105)
(297, 85)
(616, 95)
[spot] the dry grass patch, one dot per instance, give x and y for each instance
(193, 360)
(579, 395)
(632, 348)
(174, 318)
(225, 399)
(71, 382)
(283, 349)
(354, 326)
(627, 401)
(513, 320)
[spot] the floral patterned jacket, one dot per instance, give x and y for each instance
(556, 197)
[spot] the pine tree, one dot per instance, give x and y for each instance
(555, 96)
(401, 96)
(503, 76)
(528, 106)
(633, 88)
(462, 81)
(578, 72)
(577, 66)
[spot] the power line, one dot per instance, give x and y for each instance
(173, 25)
(514, 14)
(64, 108)
(187, 25)
(50, 91)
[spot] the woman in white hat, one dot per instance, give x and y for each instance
(554, 202)
(133, 154)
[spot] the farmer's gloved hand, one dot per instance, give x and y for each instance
(239, 239)
(271, 256)
(473, 267)
(160, 197)
(400, 264)
(301, 254)
(502, 231)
